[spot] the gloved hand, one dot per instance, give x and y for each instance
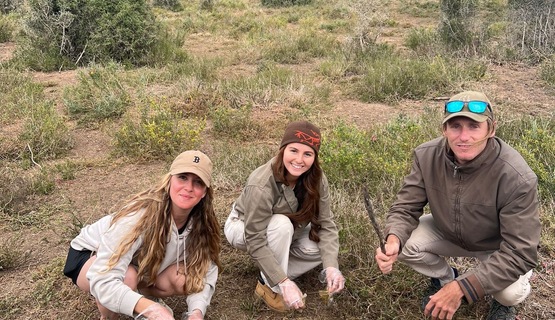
(155, 312)
(193, 315)
(292, 295)
(334, 279)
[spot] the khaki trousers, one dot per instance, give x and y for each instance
(425, 251)
(296, 255)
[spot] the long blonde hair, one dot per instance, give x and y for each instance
(203, 242)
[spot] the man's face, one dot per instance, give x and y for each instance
(466, 137)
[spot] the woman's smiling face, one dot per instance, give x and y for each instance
(186, 191)
(297, 159)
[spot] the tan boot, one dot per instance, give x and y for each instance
(272, 299)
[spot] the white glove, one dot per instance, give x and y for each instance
(292, 295)
(194, 315)
(334, 280)
(155, 312)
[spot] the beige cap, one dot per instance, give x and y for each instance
(466, 97)
(193, 161)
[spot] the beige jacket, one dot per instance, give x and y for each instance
(261, 198)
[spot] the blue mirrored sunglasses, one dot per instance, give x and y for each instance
(473, 106)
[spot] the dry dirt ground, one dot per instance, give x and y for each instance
(96, 189)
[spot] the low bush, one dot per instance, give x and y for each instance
(284, 3)
(19, 93)
(45, 134)
(11, 255)
(378, 158)
(99, 95)
(6, 29)
(233, 123)
(399, 77)
(158, 134)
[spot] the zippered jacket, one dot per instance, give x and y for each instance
(488, 204)
(260, 199)
(108, 287)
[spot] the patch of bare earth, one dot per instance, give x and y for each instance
(6, 51)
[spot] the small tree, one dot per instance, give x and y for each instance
(458, 24)
(531, 28)
(81, 31)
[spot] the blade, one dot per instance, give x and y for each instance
(372, 216)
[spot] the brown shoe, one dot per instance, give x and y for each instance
(272, 299)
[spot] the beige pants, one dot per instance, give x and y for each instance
(296, 255)
(425, 251)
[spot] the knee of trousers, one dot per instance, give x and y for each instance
(411, 252)
(280, 227)
(515, 293)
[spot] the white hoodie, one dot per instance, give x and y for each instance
(108, 287)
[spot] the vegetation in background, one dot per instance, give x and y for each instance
(378, 158)
(6, 28)
(19, 93)
(7, 6)
(64, 34)
(11, 256)
(284, 3)
(235, 124)
(158, 134)
(390, 76)
(45, 134)
(531, 36)
(99, 95)
(173, 5)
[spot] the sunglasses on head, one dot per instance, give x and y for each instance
(474, 106)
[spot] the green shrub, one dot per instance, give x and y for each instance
(14, 186)
(98, 96)
(285, 3)
(380, 157)
(233, 123)
(547, 71)
(389, 80)
(68, 33)
(457, 23)
(11, 254)
(48, 282)
(7, 6)
(390, 75)
(173, 5)
(423, 41)
(45, 134)
(19, 93)
(534, 138)
(67, 169)
(159, 133)
(259, 89)
(297, 49)
(6, 29)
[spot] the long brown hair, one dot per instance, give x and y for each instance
(307, 191)
(203, 242)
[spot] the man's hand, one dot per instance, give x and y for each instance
(385, 261)
(445, 302)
